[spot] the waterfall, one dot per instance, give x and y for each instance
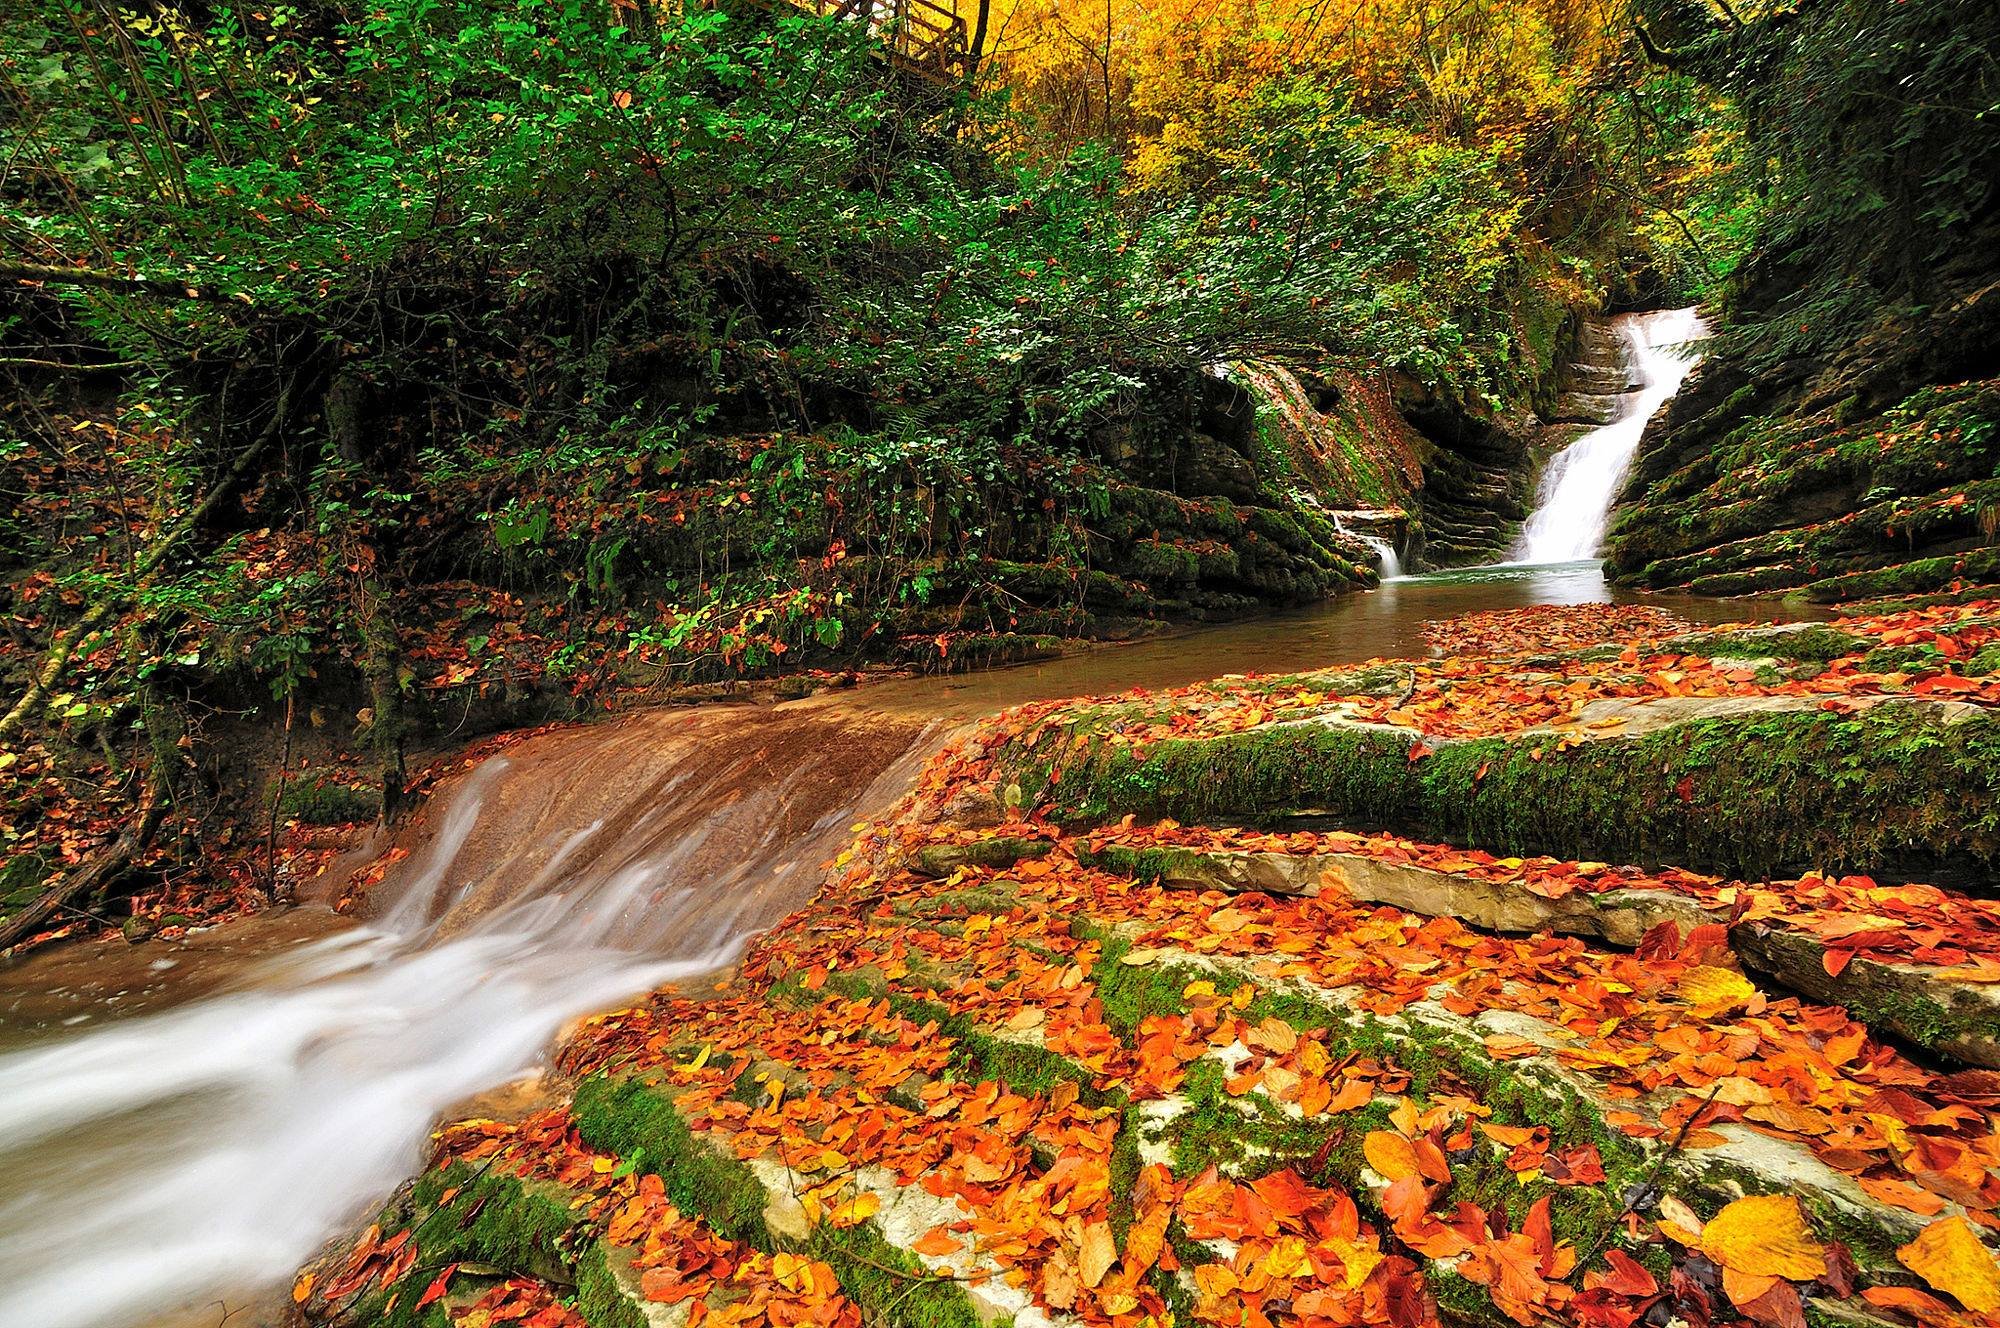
(163, 1164)
(1385, 553)
(1580, 482)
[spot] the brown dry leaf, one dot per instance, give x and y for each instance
(1098, 1252)
(1950, 1256)
(1273, 1035)
(1391, 1155)
(1766, 1236)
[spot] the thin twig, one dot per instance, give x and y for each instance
(1639, 1191)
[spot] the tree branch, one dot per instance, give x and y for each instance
(101, 870)
(90, 276)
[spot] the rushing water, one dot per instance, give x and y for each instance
(165, 1167)
(1582, 480)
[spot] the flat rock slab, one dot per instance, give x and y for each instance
(1915, 1002)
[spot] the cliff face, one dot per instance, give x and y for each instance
(1877, 472)
(1843, 440)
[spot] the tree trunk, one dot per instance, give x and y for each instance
(978, 50)
(381, 649)
(86, 878)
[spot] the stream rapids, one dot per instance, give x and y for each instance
(167, 1167)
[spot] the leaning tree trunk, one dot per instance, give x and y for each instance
(99, 872)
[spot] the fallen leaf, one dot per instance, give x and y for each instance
(1951, 1257)
(1764, 1235)
(1391, 1155)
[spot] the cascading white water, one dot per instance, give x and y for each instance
(179, 1160)
(1392, 566)
(1386, 560)
(1573, 506)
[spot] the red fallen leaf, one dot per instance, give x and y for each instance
(1685, 789)
(1841, 1272)
(1835, 962)
(1978, 1088)
(1709, 937)
(1625, 1276)
(1418, 752)
(1779, 1307)
(1661, 941)
(437, 1288)
(1582, 1165)
(1540, 1231)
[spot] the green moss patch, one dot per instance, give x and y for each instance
(1899, 792)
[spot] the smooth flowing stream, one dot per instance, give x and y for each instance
(175, 1165)
(165, 1168)
(1581, 481)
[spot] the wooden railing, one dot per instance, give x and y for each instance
(922, 36)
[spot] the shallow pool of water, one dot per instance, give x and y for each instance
(1383, 623)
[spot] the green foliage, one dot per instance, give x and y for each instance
(1867, 132)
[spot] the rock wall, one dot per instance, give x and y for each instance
(1874, 472)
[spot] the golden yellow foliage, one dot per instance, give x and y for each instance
(1949, 1256)
(1764, 1236)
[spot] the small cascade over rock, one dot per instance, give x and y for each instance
(159, 1164)
(1617, 394)
(1332, 439)
(1368, 526)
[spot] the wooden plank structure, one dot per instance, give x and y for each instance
(923, 37)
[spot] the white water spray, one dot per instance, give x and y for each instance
(1581, 481)
(179, 1160)
(1387, 562)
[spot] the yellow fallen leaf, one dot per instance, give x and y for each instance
(1764, 1235)
(1098, 1252)
(1713, 991)
(856, 1210)
(1951, 1257)
(302, 1288)
(1391, 1155)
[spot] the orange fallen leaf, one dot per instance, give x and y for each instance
(1903, 1195)
(937, 1243)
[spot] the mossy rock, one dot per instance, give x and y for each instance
(1902, 791)
(999, 852)
(637, 1119)
(327, 800)
(23, 878)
